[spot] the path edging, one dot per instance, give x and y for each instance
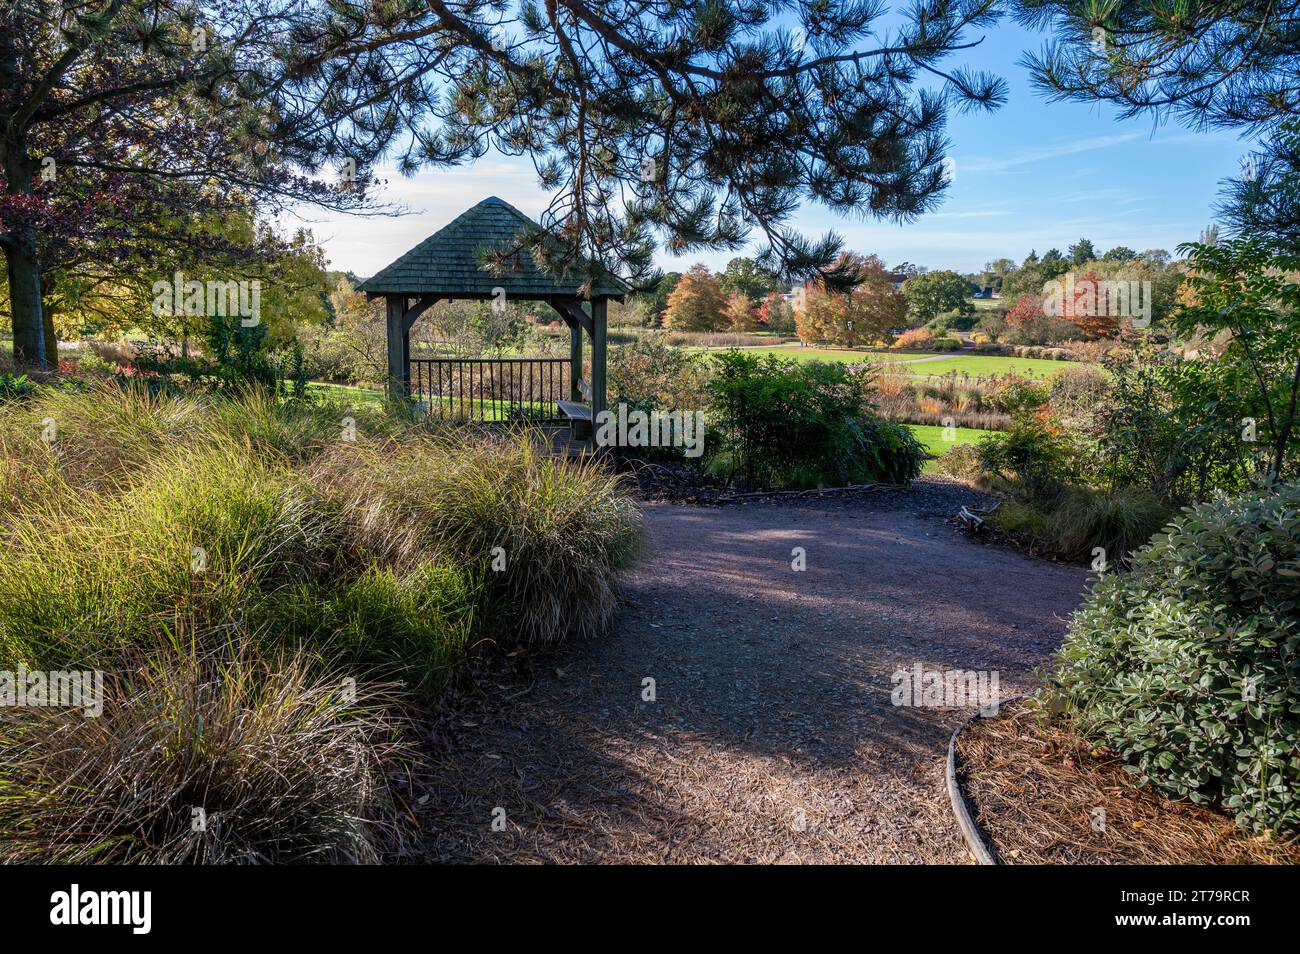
(976, 843)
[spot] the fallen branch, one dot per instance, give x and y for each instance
(973, 520)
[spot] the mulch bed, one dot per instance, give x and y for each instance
(671, 481)
(1035, 792)
(675, 481)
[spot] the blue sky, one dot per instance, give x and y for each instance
(1031, 175)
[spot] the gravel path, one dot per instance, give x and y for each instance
(941, 356)
(772, 737)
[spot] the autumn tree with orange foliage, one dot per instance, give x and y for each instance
(740, 313)
(696, 303)
(864, 316)
(776, 314)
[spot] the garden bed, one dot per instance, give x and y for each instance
(1037, 794)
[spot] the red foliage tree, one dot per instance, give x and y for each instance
(1024, 312)
(1083, 303)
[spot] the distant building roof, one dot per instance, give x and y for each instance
(450, 262)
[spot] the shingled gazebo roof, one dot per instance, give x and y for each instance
(450, 264)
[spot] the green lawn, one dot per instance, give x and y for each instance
(807, 354)
(345, 392)
(975, 365)
(843, 355)
(931, 435)
(483, 410)
(989, 365)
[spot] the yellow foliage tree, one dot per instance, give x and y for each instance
(739, 312)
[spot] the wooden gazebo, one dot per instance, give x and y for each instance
(456, 263)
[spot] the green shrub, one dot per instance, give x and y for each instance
(1028, 460)
(961, 462)
(1186, 666)
(880, 452)
(653, 371)
(783, 423)
(953, 319)
(1018, 397)
(14, 387)
(1174, 427)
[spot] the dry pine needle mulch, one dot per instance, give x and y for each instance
(1039, 794)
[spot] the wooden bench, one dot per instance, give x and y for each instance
(579, 414)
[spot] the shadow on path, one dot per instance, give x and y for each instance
(771, 736)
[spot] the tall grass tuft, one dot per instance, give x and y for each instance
(205, 533)
(201, 756)
(1118, 521)
(545, 536)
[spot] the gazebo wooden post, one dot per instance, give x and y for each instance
(599, 310)
(575, 360)
(399, 350)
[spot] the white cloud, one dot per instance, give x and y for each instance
(1024, 157)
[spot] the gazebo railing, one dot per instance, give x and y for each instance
(490, 389)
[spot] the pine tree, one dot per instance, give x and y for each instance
(686, 125)
(1082, 252)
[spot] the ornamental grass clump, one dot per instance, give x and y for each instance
(384, 540)
(546, 537)
(202, 756)
(264, 586)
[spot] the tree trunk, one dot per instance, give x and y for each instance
(25, 298)
(51, 336)
(19, 245)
